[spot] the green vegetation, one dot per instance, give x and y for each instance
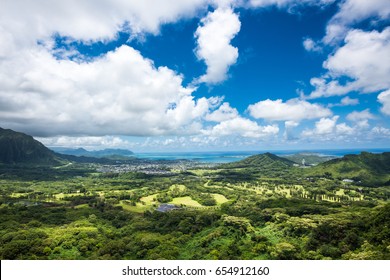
(16, 147)
(186, 201)
(369, 169)
(263, 207)
(308, 158)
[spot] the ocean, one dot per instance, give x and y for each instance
(225, 157)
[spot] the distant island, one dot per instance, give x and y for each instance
(96, 153)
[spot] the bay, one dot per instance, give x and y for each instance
(231, 156)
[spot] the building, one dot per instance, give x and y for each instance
(167, 207)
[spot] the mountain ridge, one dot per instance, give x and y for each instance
(265, 160)
(369, 168)
(96, 153)
(18, 147)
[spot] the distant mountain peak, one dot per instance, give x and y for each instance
(110, 152)
(266, 160)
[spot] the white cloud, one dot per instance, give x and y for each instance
(380, 131)
(187, 110)
(346, 101)
(311, 45)
(352, 12)
(223, 113)
(242, 127)
(384, 99)
(119, 93)
(290, 4)
(326, 125)
(293, 109)
(327, 129)
(343, 128)
(89, 20)
(213, 44)
(362, 59)
(326, 88)
(88, 142)
(322, 127)
(291, 124)
(124, 93)
(363, 124)
(356, 116)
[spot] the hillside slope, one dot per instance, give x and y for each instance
(107, 153)
(16, 147)
(262, 161)
(370, 169)
(309, 158)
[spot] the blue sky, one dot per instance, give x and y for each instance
(197, 75)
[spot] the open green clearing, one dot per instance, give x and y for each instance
(219, 198)
(186, 201)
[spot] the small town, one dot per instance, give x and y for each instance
(168, 167)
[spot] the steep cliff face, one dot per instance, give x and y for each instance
(16, 147)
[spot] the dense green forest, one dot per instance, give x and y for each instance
(263, 207)
(260, 208)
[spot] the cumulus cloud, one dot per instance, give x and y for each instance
(380, 131)
(362, 59)
(119, 93)
(346, 101)
(326, 125)
(213, 37)
(124, 93)
(352, 12)
(344, 129)
(356, 116)
(291, 124)
(242, 127)
(290, 4)
(293, 109)
(328, 129)
(88, 20)
(384, 99)
(223, 113)
(311, 46)
(88, 142)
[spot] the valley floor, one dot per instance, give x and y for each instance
(75, 212)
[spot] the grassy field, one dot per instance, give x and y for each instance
(147, 203)
(63, 195)
(201, 172)
(187, 201)
(149, 200)
(219, 198)
(138, 208)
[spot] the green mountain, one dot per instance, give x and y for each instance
(16, 147)
(370, 169)
(106, 153)
(262, 161)
(263, 165)
(309, 158)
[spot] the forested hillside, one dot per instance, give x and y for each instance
(16, 147)
(263, 207)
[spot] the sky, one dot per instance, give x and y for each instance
(197, 75)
